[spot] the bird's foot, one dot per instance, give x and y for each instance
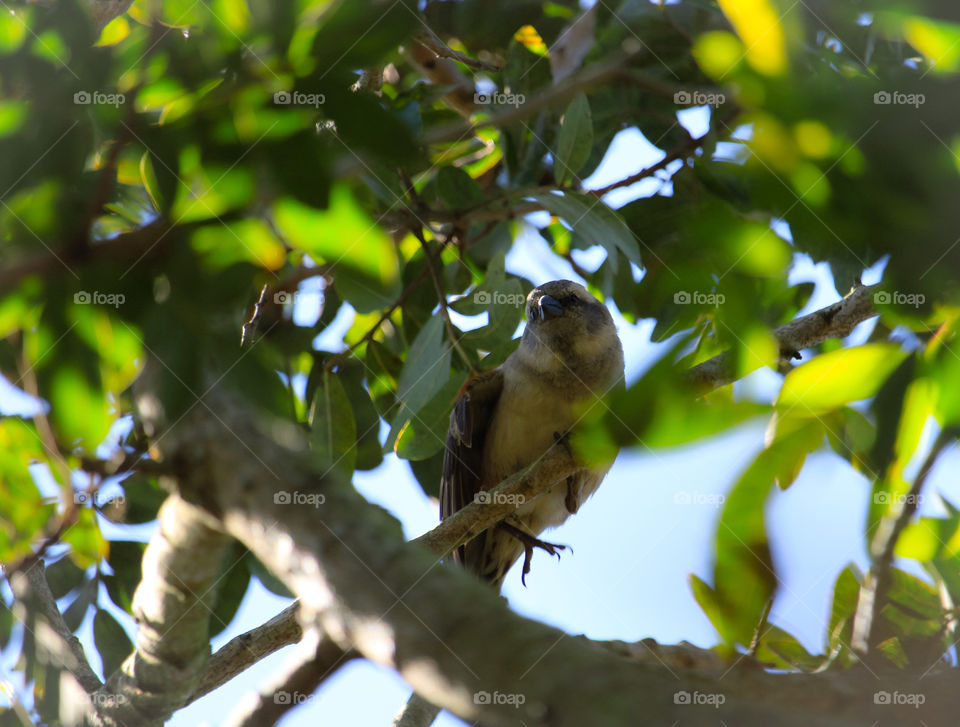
(529, 543)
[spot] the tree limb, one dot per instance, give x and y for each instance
(248, 648)
(316, 658)
(452, 638)
(834, 321)
(468, 522)
(877, 581)
(181, 568)
(31, 590)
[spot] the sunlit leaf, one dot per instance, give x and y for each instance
(839, 377)
(359, 254)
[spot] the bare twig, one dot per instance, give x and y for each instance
(442, 298)
(248, 648)
(401, 299)
(316, 658)
(430, 40)
(884, 541)
(834, 321)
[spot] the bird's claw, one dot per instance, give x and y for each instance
(529, 543)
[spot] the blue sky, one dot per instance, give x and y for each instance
(634, 543)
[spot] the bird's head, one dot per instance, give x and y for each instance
(574, 327)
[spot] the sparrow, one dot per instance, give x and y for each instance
(568, 359)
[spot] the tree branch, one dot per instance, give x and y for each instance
(834, 321)
(31, 590)
(877, 581)
(317, 658)
(181, 568)
(468, 522)
(450, 636)
(248, 648)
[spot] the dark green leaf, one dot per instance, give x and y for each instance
(111, 640)
(574, 141)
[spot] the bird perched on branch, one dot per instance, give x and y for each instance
(504, 420)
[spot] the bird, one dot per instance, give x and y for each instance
(569, 357)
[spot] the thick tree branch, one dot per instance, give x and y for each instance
(181, 568)
(31, 590)
(834, 321)
(450, 636)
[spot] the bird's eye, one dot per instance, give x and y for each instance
(571, 299)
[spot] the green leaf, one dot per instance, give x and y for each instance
(744, 578)
(79, 407)
(144, 497)
(457, 189)
(427, 369)
(358, 252)
(87, 542)
(369, 453)
(785, 651)
(63, 576)
(591, 219)
(574, 141)
(425, 433)
(231, 588)
(111, 641)
(269, 581)
(839, 377)
(893, 650)
(798, 436)
(126, 559)
(334, 430)
(846, 594)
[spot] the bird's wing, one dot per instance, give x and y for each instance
(463, 456)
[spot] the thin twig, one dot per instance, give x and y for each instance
(834, 321)
(877, 582)
(401, 299)
(429, 39)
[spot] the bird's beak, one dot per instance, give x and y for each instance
(549, 307)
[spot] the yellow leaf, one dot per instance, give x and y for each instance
(758, 25)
